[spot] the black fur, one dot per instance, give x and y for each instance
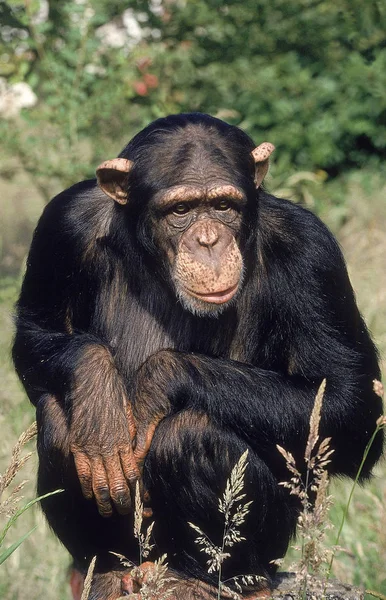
(254, 370)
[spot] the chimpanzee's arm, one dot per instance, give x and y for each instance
(267, 408)
(310, 322)
(55, 356)
(54, 293)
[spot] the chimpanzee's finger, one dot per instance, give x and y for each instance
(83, 468)
(131, 471)
(131, 422)
(143, 442)
(119, 490)
(100, 487)
(147, 509)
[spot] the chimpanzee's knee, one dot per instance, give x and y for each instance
(186, 472)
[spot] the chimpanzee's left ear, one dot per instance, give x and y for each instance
(261, 156)
(112, 177)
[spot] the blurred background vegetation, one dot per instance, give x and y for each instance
(79, 78)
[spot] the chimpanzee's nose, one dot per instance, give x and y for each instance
(208, 241)
(207, 236)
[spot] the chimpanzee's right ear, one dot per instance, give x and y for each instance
(112, 176)
(261, 156)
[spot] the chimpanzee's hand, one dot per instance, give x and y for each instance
(102, 431)
(104, 458)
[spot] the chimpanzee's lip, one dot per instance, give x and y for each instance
(216, 297)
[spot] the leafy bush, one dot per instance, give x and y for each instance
(307, 75)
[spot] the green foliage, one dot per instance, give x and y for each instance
(309, 75)
(9, 503)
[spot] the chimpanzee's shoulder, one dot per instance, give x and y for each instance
(77, 212)
(81, 199)
(285, 223)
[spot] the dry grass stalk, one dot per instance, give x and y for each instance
(235, 511)
(241, 583)
(143, 539)
(151, 577)
(123, 560)
(312, 490)
(314, 422)
(9, 505)
(379, 390)
(88, 580)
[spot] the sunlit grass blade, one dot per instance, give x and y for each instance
(14, 517)
(7, 553)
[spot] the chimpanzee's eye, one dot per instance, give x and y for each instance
(223, 205)
(181, 208)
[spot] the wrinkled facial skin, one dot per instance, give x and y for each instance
(198, 227)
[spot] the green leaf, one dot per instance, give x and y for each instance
(4, 555)
(14, 518)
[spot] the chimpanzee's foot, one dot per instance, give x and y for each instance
(155, 581)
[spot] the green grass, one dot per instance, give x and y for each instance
(360, 223)
(38, 568)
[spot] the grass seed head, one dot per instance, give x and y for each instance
(312, 491)
(88, 580)
(9, 505)
(145, 546)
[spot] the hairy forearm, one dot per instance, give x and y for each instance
(267, 408)
(46, 360)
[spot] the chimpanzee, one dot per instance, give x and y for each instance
(174, 314)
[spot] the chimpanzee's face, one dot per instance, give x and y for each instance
(197, 226)
(192, 186)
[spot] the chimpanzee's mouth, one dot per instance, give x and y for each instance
(216, 297)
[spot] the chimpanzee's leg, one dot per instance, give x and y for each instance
(186, 471)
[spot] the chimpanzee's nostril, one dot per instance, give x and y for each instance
(208, 238)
